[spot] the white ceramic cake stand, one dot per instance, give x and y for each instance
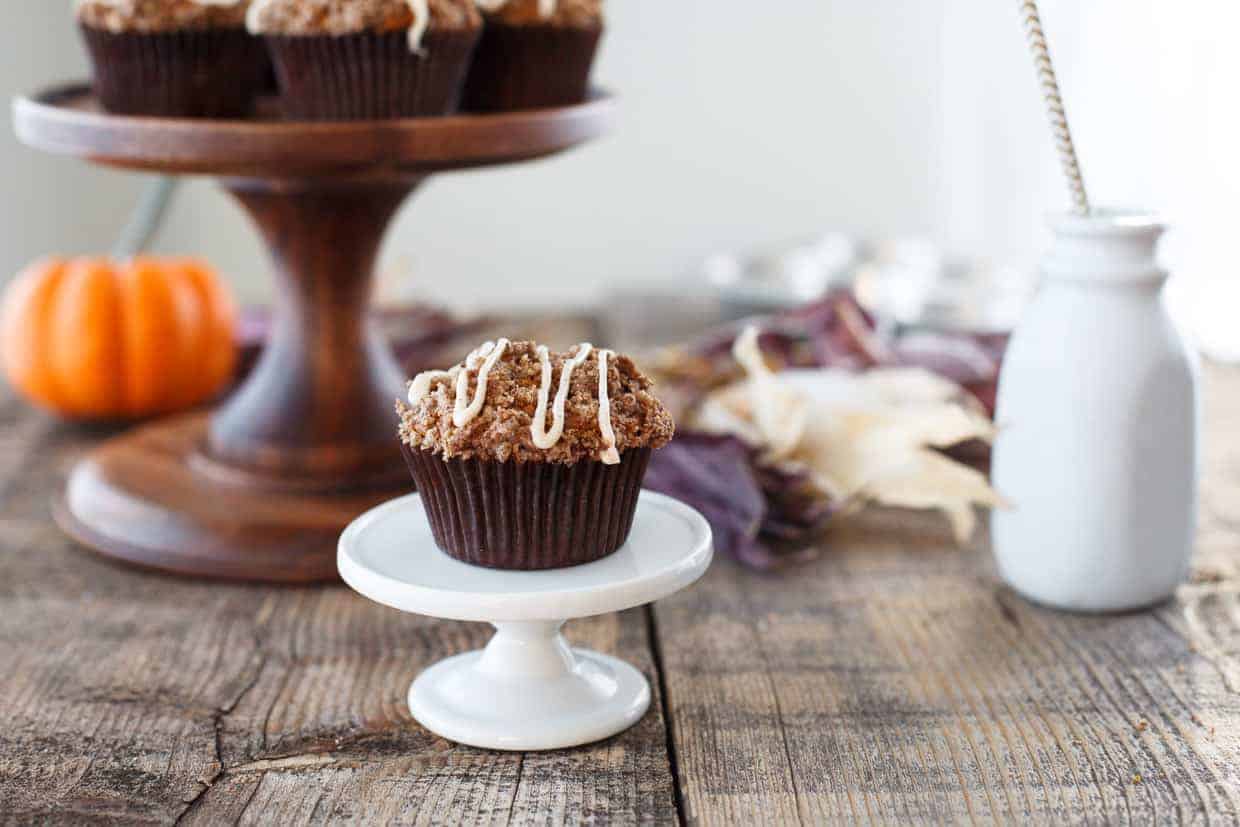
(527, 690)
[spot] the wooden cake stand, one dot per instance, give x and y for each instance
(261, 488)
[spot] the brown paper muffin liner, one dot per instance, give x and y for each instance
(371, 76)
(195, 73)
(531, 67)
(532, 515)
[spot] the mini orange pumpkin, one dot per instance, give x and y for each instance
(93, 339)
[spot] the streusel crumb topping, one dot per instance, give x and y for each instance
(503, 429)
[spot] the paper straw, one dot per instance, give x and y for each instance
(1054, 105)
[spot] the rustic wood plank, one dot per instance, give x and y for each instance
(897, 681)
(139, 698)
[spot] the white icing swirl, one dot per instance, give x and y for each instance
(542, 437)
(254, 16)
(421, 384)
(609, 455)
(463, 412)
(546, 8)
(421, 22)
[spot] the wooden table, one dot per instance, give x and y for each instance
(892, 681)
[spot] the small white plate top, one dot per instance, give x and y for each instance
(389, 555)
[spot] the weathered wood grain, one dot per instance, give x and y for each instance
(136, 698)
(893, 681)
(896, 681)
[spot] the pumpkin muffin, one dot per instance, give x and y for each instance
(368, 59)
(534, 54)
(173, 58)
(528, 459)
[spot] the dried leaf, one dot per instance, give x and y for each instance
(778, 412)
(868, 437)
(714, 474)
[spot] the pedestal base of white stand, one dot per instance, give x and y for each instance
(527, 690)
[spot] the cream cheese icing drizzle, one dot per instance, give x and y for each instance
(254, 16)
(543, 438)
(421, 385)
(464, 412)
(421, 22)
(609, 456)
(484, 359)
(546, 8)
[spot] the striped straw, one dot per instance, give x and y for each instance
(1054, 104)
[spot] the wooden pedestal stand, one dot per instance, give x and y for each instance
(262, 488)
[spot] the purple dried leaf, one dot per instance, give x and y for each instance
(797, 510)
(762, 517)
(958, 358)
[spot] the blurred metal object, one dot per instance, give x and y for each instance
(146, 219)
(749, 285)
(913, 283)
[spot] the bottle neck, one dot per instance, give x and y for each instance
(1106, 248)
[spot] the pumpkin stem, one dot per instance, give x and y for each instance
(146, 219)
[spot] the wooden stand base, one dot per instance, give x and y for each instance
(144, 499)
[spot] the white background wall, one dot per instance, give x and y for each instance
(746, 123)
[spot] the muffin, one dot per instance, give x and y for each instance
(534, 54)
(368, 59)
(528, 459)
(173, 58)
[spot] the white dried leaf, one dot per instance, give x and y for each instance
(728, 411)
(866, 437)
(778, 412)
